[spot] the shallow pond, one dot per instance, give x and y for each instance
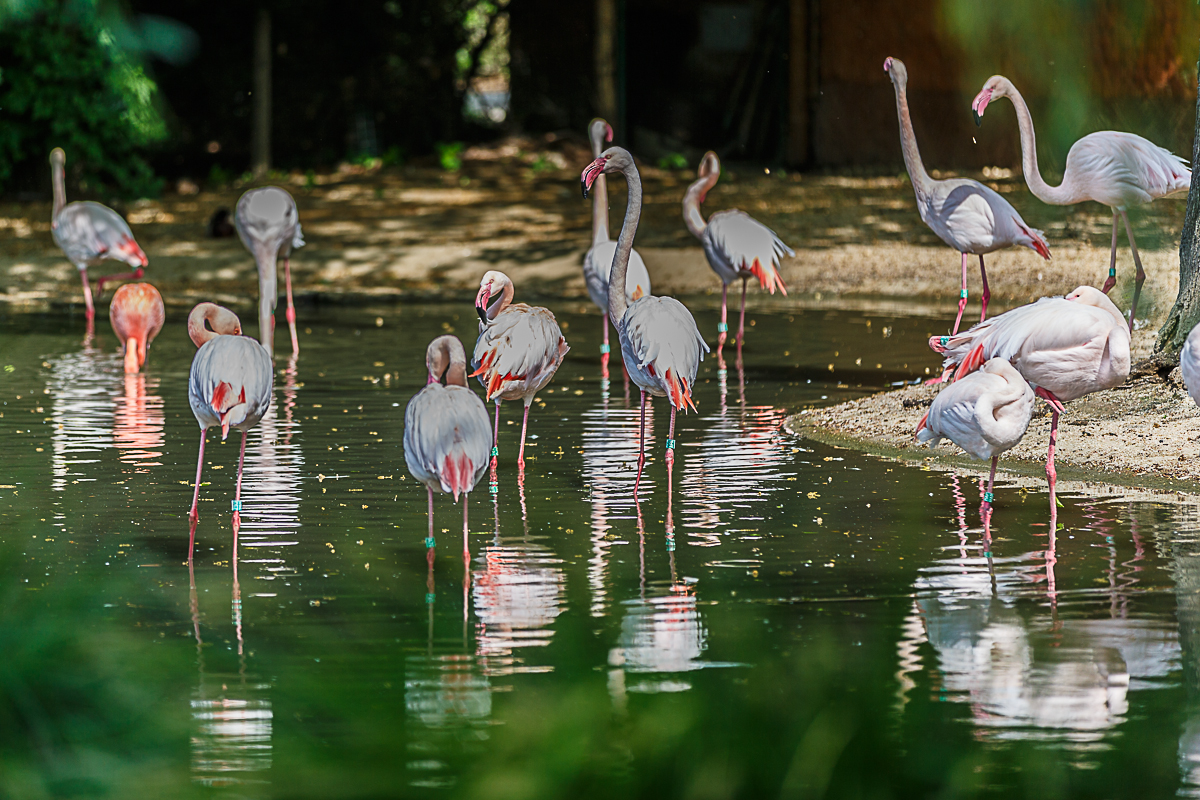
(798, 621)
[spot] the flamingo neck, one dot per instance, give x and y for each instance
(222, 321)
(506, 297)
(58, 179)
(922, 183)
(1063, 194)
(133, 355)
(691, 204)
(599, 192)
(617, 304)
(456, 375)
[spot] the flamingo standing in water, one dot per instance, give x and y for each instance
(90, 233)
(986, 413)
(597, 264)
(1117, 169)
(735, 244)
(446, 443)
(1065, 347)
(660, 342)
(137, 315)
(230, 387)
(269, 227)
(519, 349)
(965, 214)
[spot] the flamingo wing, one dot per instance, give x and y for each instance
(1123, 169)
(522, 344)
(231, 382)
(90, 232)
(663, 348)
(973, 218)
(447, 438)
(597, 266)
(737, 243)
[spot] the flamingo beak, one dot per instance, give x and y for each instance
(481, 301)
(590, 173)
(981, 101)
(887, 64)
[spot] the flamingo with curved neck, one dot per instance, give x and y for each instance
(1110, 167)
(137, 315)
(965, 214)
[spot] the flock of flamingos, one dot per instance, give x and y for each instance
(1058, 348)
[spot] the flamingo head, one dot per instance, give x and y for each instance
(992, 89)
(896, 69)
(708, 171)
(591, 172)
(492, 283)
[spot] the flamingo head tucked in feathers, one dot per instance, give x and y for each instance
(221, 322)
(1091, 296)
(492, 283)
(996, 86)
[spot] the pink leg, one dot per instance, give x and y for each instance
(194, 514)
(1141, 274)
(670, 453)
(495, 444)
(986, 508)
(722, 326)
(1051, 475)
(124, 276)
(742, 317)
(466, 530)
(987, 293)
(641, 449)
(1112, 259)
(88, 305)
(237, 496)
(291, 307)
(962, 296)
(604, 350)
(521, 454)
(429, 540)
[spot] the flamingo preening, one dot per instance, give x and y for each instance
(230, 387)
(1117, 169)
(446, 436)
(965, 214)
(137, 315)
(986, 413)
(519, 349)
(90, 233)
(269, 226)
(597, 263)
(660, 342)
(1065, 347)
(735, 244)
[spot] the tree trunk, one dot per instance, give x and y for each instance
(1186, 311)
(606, 63)
(797, 142)
(260, 137)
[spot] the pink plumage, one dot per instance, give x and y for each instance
(137, 315)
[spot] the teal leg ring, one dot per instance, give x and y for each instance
(988, 497)
(605, 349)
(722, 327)
(670, 444)
(429, 542)
(235, 505)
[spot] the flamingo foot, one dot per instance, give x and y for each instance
(1109, 284)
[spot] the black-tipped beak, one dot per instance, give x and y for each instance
(482, 312)
(978, 119)
(583, 185)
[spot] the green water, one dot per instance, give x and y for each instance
(804, 622)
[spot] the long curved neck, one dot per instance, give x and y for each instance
(922, 183)
(506, 297)
(196, 330)
(60, 189)
(691, 204)
(600, 194)
(616, 278)
(1054, 195)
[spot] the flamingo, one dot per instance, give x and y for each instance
(1065, 347)
(986, 413)
(597, 264)
(660, 342)
(1117, 169)
(269, 226)
(1189, 364)
(230, 387)
(90, 233)
(519, 349)
(446, 442)
(137, 315)
(735, 244)
(965, 214)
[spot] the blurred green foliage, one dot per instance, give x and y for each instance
(673, 161)
(450, 155)
(66, 84)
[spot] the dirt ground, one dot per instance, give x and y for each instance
(516, 206)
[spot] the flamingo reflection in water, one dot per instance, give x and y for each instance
(81, 389)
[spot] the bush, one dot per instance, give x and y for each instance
(65, 84)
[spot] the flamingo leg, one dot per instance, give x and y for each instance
(1112, 259)
(1141, 274)
(962, 296)
(723, 325)
(521, 454)
(291, 307)
(742, 317)
(641, 449)
(237, 496)
(986, 507)
(670, 454)
(987, 293)
(1051, 474)
(194, 514)
(604, 350)
(88, 305)
(495, 442)
(466, 530)
(124, 276)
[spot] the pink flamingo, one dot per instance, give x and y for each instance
(1065, 347)
(660, 343)
(137, 315)
(735, 244)
(446, 442)
(1189, 364)
(90, 233)
(519, 349)
(965, 214)
(597, 264)
(986, 413)
(269, 226)
(230, 387)
(1117, 169)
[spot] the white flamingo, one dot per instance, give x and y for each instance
(137, 315)
(1117, 169)
(597, 263)
(735, 244)
(446, 436)
(986, 413)
(269, 226)
(230, 387)
(519, 349)
(90, 233)
(965, 214)
(1065, 347)
(1189, 364)
(660, 343)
